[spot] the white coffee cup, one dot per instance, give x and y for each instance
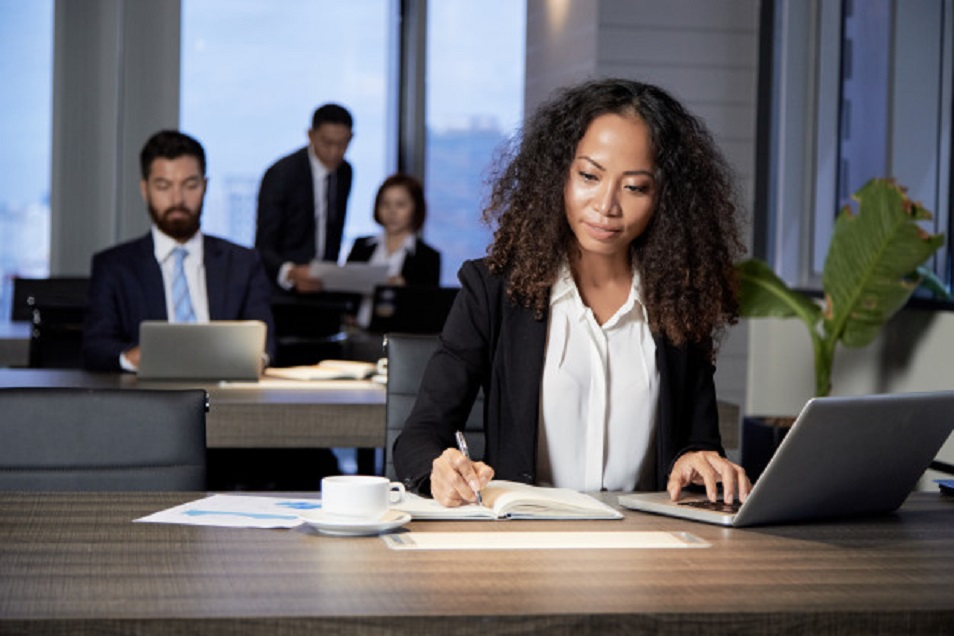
(363, 497)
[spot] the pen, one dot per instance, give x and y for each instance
(462, 446)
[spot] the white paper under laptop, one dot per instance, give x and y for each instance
(843, 456)
(218, 350)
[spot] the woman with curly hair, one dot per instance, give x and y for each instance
(593, 322)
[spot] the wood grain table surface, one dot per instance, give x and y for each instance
(76, 563)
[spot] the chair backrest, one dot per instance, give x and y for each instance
(309, 329)
(56, 337)
(411, 308)
(60, 291)
(408, 355)
(65, 439)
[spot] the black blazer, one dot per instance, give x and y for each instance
(285, 230)
(126, 288)
(422, 267)
(491, 343)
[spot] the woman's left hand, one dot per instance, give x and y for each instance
(709, 468)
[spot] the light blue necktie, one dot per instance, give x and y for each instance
(181, 301)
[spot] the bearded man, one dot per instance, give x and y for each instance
(174, 272)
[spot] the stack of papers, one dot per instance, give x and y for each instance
(325, 370)
(359, 278)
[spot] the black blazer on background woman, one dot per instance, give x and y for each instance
(422, 267)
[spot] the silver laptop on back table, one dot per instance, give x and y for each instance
(843, 456)
(218, 350)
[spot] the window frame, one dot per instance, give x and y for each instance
(800, 95)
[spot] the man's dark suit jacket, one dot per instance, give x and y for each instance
(126, 288)
(491, 343)
(286, 213)
(423, 267)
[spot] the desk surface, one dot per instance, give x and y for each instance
(266, 414)
(77, 563)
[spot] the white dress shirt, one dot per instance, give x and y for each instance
(319, 175)
(598, 395)
(395, 263)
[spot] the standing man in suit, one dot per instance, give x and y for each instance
(174, 272)
(302, 203)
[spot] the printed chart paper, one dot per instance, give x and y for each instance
(236, 511)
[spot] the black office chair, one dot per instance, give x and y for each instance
(56, 308)
(59, 291)
(56, 337)
(60, 439)
(408, 355)
(420, 309)
(310, 329)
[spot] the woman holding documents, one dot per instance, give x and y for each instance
(400, 209)
(593, 323)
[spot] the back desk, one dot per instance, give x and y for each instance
(77, 564)
(266, 414)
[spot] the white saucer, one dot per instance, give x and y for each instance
(340, 526)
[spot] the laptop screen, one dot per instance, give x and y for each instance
(218, 350)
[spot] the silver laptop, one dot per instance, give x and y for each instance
(218, 350)
(843, 456)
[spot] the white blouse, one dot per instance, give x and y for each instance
(598, 395)
(395, 263)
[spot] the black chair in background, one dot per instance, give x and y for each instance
(59, 439)
(411, 309)
(56, 308)
(59, 291)
(56, 337)
(309, 329)
(408, 355)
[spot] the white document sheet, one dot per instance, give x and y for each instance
(540, 540)
(236, 511)
(359, 278)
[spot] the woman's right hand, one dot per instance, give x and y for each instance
(455, 479)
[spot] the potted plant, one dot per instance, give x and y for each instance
(873, 265)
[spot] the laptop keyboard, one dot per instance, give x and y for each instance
(718, 506)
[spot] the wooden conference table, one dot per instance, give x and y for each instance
(265, 414)
(75, 563)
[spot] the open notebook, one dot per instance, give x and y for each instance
(512, 500)
(843, 456)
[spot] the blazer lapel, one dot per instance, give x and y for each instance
(150, 277)
(216, 278)
(528, 348)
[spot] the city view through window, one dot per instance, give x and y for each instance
(251, 103)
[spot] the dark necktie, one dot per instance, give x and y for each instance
(331, 209)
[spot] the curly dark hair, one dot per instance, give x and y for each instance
(685, 255)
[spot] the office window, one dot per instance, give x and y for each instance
(474, 101)
(252, 74)
(26, 75)
(860, 89)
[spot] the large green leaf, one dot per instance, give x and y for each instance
(870, 268)
(763, 294)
